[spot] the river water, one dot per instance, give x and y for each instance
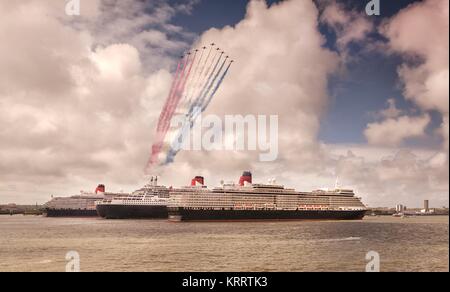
(34, 243)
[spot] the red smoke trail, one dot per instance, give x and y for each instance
(174, 93)
(169, 101)
(181, 90)
(199, 82)
(194, 78)
(172, 104)
(174, 84)
(156, 147)
(179, 93)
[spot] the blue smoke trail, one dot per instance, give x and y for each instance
(193, 114)
(216, 88)
(176, 145)
(201, 101)
(209, 81)
(192, 84)
(199, 83)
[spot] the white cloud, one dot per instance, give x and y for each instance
(445, 132)
(400, 176)
(421, 32)
(350, 26)
(281, 68)
(392, 111)
(393, 131)
(77, 98)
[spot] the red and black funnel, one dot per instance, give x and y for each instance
(198, 180)
(245, 177)
(100, 189)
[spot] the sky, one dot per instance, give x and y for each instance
(362, 98)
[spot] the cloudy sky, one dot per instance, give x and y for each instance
(362, 98)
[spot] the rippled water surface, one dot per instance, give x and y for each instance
(30, 243)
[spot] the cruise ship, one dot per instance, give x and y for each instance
(82, 205)
(248, 201)
(147, 202)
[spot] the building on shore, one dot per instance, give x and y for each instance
(400, 208)
(9, 209)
